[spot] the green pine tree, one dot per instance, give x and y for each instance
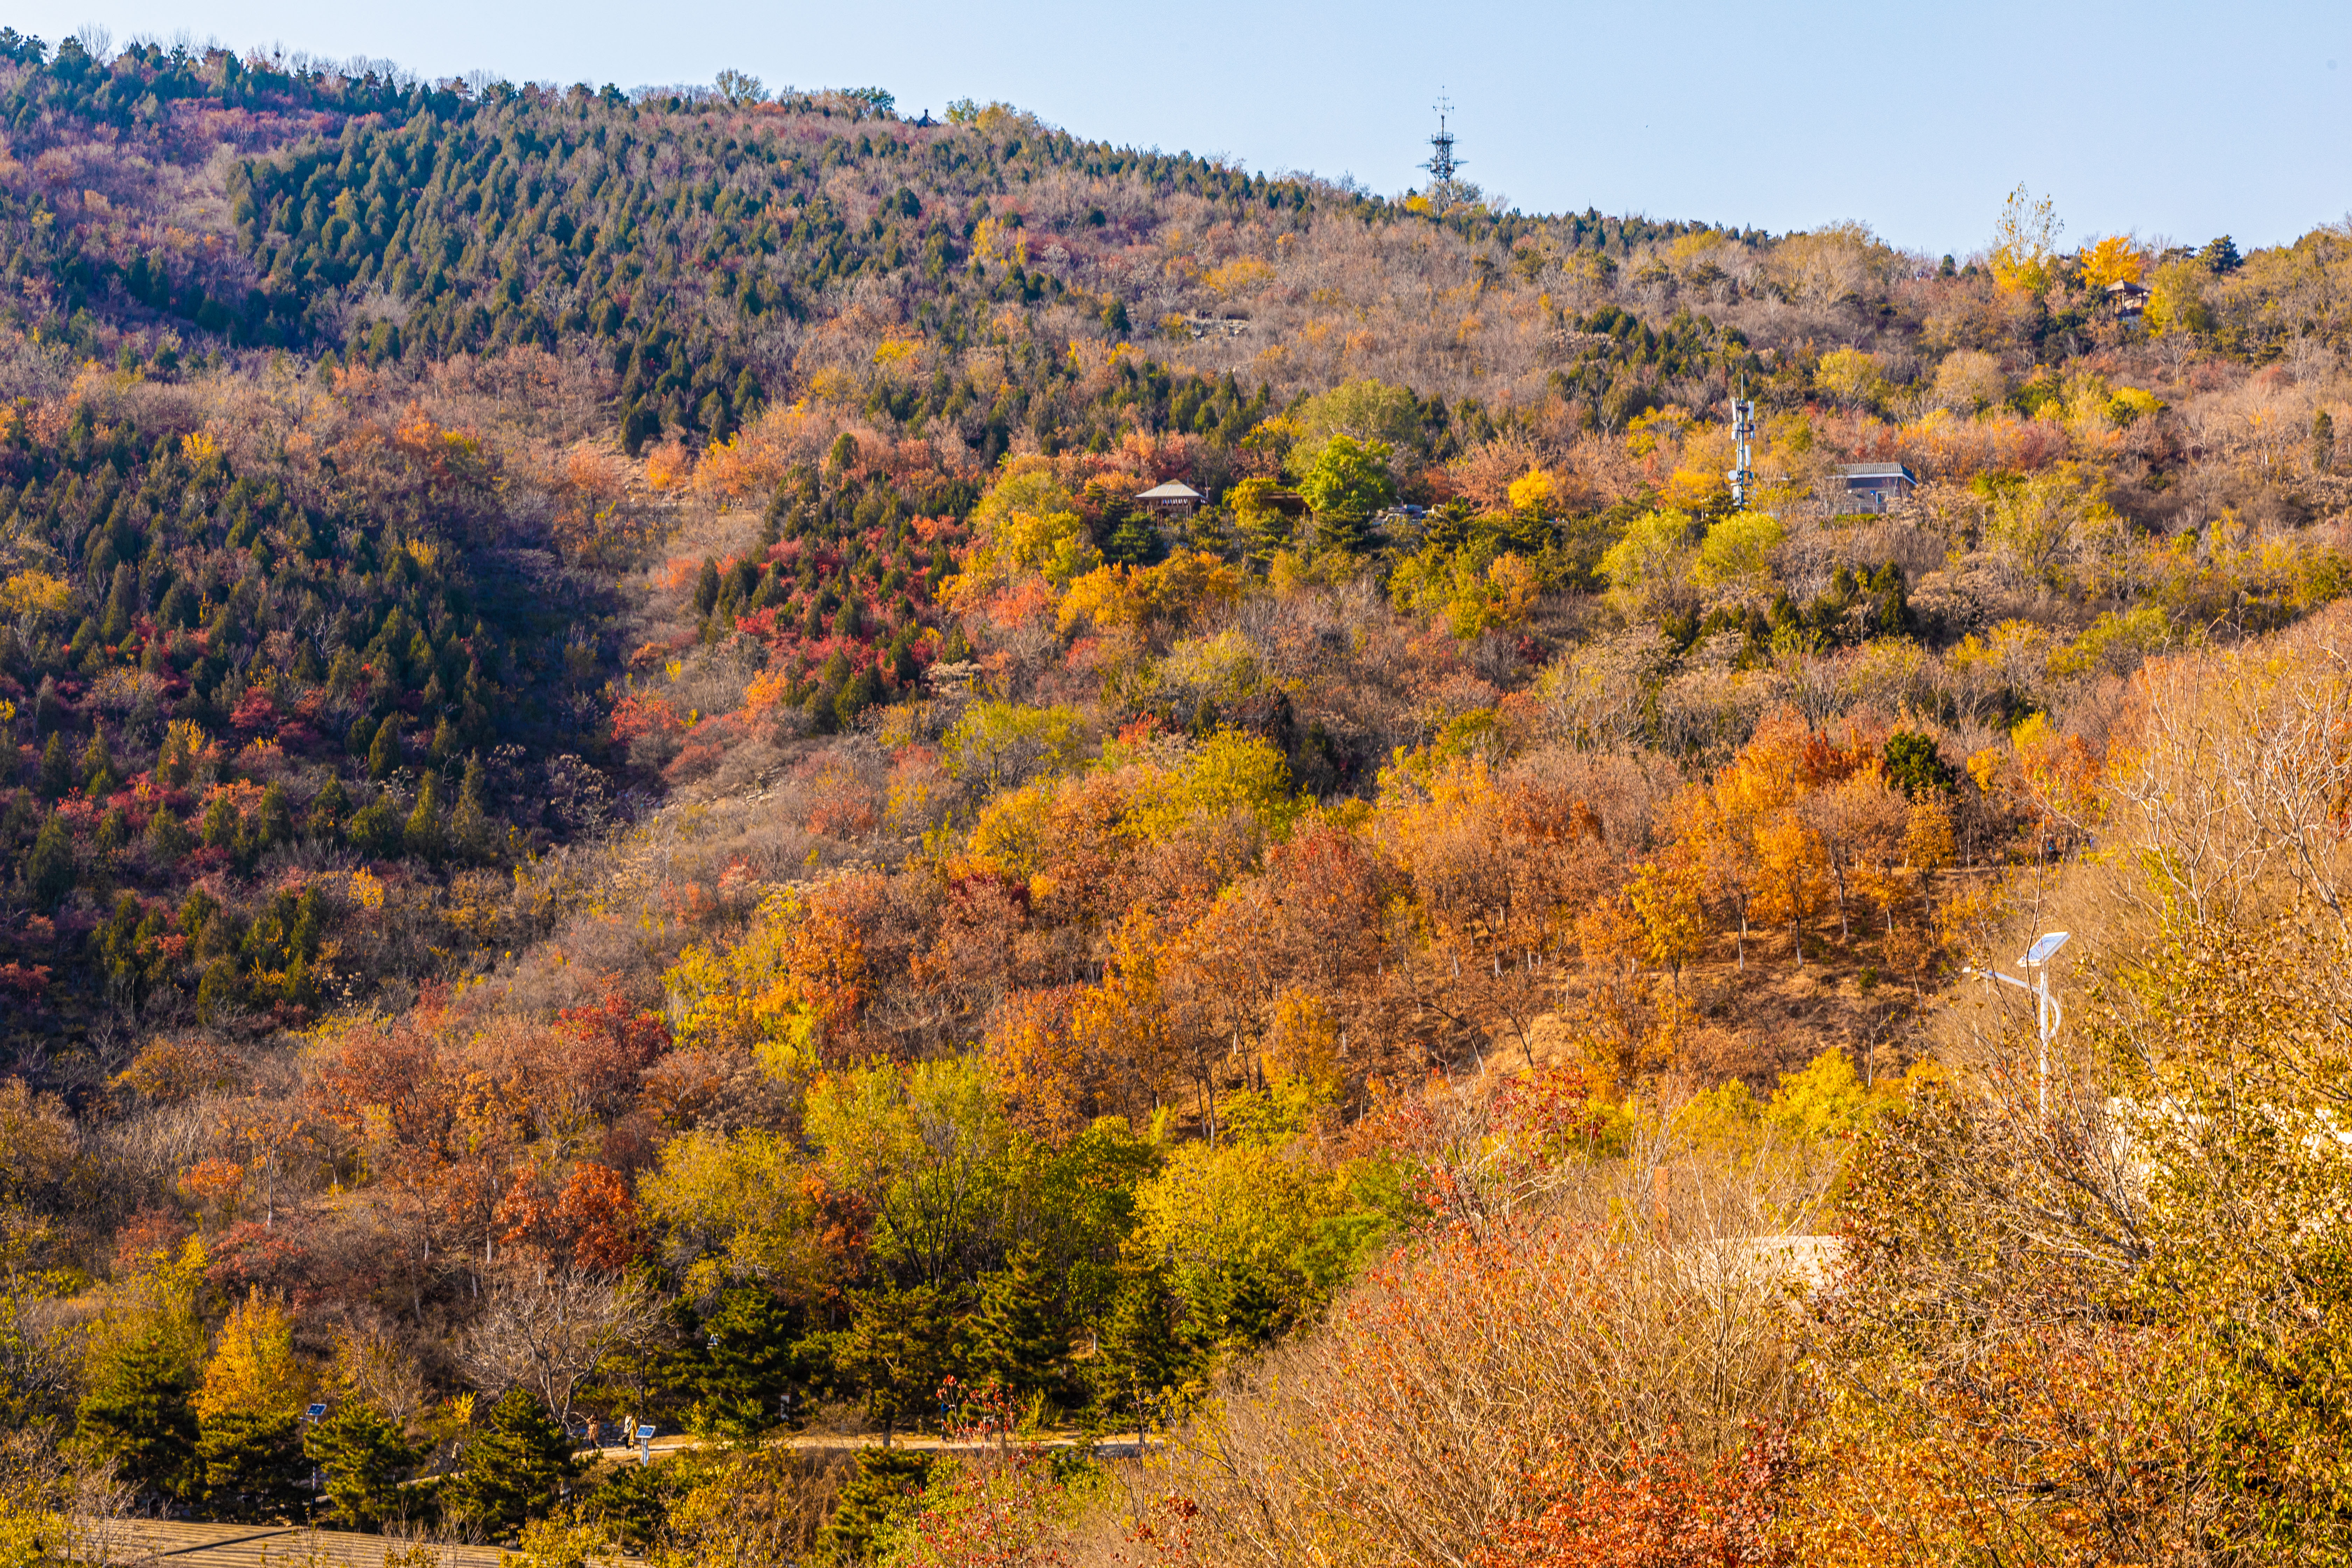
(897, 1348)
(383, 752)
(469, 823)
(376, 829)
(423, 836)
(275, 823)
(362, 1456)
(121, 605)
(512, 1467)
(167, 838)
(98, 766)
(49, 869)
(252, 1464)
(1139, 1359)
(221, 823)
(137, 1414)
(1017, 1337)
(886, 1487)
(327, 809)
(56, 776)
(747, 1364)
(858, 693)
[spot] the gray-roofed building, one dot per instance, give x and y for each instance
(1173, 499)
(1869, 487)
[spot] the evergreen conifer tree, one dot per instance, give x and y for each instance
(896, 1349)
(1015, 1336)
(383, 752)
(886, 1487)
(512, 1466)
(747, 1363)
(470, 823)
(57, 771)
(138, 1415)
(221, 823)
(423, 835)
(98, 778)
(327, 809)
(252, 1464)
(362, 1456)
(167, 837)
(274, 824)
(376, 829)
(121, 605)
(49, 869)
(1136, 1354)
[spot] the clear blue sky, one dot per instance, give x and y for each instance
(2170, 119)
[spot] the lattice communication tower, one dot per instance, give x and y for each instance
(1441, 162)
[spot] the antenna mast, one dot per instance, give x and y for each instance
(1743, 433)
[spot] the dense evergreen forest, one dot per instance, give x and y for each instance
(613, 811)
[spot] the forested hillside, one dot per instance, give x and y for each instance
(611, 810)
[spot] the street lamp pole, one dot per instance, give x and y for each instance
(2047, 1015)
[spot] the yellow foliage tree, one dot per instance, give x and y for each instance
(2114, 259)
(1669, 898)
(1028, 524)
(2025, 243)
(1791, 868)
(1538, 491)
(797, 974)
(744, 1203)
(1231, 772)
(1123, 597)
(1475, 589)
(1303, 1047)
(1852, 376)
(2175, 298)
(253, 1370)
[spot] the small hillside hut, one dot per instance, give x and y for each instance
(1172, 499)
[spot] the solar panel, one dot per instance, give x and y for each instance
(2044, 946)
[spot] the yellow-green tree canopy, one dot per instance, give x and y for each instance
(1028, 524)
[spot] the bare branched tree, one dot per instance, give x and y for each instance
(547, 1330)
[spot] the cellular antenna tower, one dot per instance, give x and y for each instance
(1743, 435)
(1442, 161)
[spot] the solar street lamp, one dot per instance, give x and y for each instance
(2047, 1015)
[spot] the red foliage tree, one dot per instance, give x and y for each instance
(599, 1214)
(1657, 1509)
(606, 1047)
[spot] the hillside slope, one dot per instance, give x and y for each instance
(593, 726)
